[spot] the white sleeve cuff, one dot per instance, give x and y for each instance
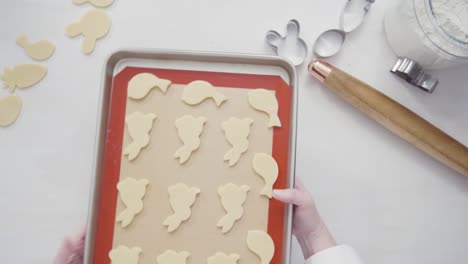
(341, 254)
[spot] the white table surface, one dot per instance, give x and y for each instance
(377, 193)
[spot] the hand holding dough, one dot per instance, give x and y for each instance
(232, 199)
(172, 257)
(94, 25)
(266, 166)
(131, 193)
(198, 91)
(40, 50)
(138, 125)
(125, 255)
(189, 129)
(10, 107)
(265, 101)
(23, 75)
(181, 198)
(96, 3)
(261, 244)
(236, 131)
(141, 84)
(221, 258)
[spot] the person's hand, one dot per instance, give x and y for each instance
(72, 248)
(308, 227)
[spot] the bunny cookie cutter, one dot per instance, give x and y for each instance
(281, 45)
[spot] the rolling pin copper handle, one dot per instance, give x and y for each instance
(393, 116)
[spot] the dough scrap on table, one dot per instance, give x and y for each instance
(141, 84)
(131, 192)
(96, 3)
(173, 257)
(267, 168)
(198, 91)
(10, 107)
(265, 101)
(232, 199)
(236, 132)
(23, 75)
(260, 243)
(94, 25)
(221, 258)
(40, 50)
(125, 255)
(181, 198)
(189, 129)
(139, 126)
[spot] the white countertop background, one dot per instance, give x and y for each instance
(377, 193)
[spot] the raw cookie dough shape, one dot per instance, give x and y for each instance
(266, 166)
(198, 91)
(189, 129)
(10, 107)
(265, 101)
(221, 258)
(40, 50)
(261, 244)
(23, 75)
(232, 199)
(96, 3)
(131, 193)
(94, 25)
(181, 198)
(172, 257)
(125, 255)
(139, 126)
(236, 132)
(141, 84)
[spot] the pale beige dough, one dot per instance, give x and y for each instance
(23, 75)
(265, 101)
(131, 192)
(232, 199)
(261, 244)
(94, 25)
(189, 129)
(10, 107)
(236, 132)
(172, 257)
(139, 126)
(267, 168)
(125, 255)
(198, 91)
(141, 84)
(221, 258)
(40, 50)
(96, 3)
(181, 197)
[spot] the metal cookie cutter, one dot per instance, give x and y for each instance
(291, 45)
(413, 73)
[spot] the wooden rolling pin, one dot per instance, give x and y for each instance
(394, 116)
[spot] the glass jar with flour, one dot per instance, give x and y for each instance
(433, 33)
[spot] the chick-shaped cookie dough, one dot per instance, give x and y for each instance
(172, 257)
(189, 130)
(96, 3)
(181, 198)
(260, 243)
(10, 108)
(236, 132)
(221, 258)
(232, 199)
(267, 168)
(22, 76)
(125, 255)
(198, 91)
(141, 84)
(139, 126)
(94, 25)
(40, 50)
(131, 193)
(265, 101)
